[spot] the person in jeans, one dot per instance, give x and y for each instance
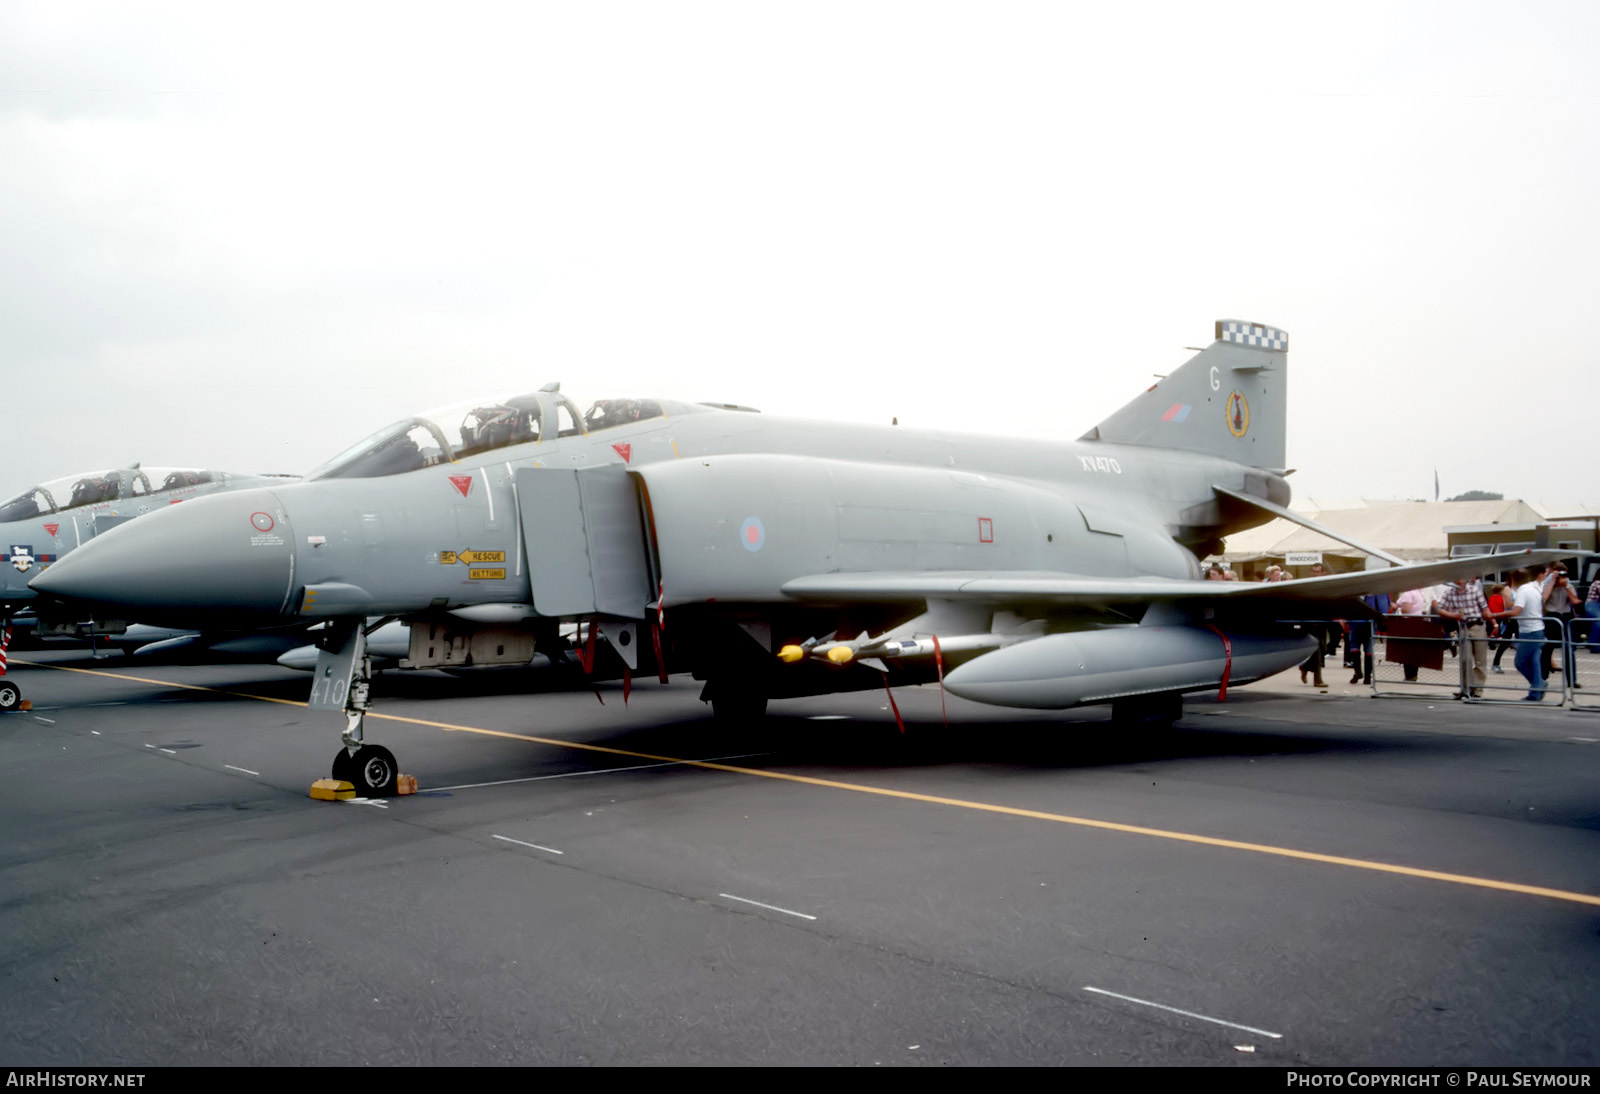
(1527, 608)
(1560, 601)
(1591, 608)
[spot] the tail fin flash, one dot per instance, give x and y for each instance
(1228, 400)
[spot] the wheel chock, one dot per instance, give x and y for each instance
(405, 784)
(26, 704)
(332, 790)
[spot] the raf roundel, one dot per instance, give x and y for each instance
(752, 534)
(262, 522)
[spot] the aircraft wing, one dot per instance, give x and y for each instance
(1007, 587)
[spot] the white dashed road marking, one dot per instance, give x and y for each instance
(1185, 1013)
(768, 907)
(535, 846)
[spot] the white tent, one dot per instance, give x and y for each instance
(1412, 530)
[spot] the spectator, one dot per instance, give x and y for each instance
(1466, 604)
(1560, 601)
(1411, 602)
(1358, 644)
(1527, 609)
(1591, 608)
(1499, 614)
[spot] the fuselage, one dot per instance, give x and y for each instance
(453, 534)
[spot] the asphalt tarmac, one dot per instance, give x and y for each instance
(1287, 877)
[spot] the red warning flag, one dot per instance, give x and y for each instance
(894, 706)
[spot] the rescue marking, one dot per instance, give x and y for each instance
(52, 529)
(262, 522)
(246, 770)
(462, 483)
(768, 907)
(1185, 1013)
(535, 846)
(907, 795)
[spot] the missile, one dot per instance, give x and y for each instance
(1067, 670)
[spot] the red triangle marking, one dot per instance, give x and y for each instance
(462, 483)
(625, 451)
(52, 529)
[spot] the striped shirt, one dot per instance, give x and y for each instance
(1469, 602)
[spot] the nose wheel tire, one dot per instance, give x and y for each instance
(372, 770)
(10, 696)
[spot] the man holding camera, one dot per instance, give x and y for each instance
(1560, 602)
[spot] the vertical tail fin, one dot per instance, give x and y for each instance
(1228, 400)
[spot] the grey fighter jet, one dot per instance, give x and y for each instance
(43, 523)
(770, 557)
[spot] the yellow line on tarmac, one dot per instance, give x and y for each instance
(930, 799)
(162, 683)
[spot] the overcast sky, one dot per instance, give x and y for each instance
(244, 235)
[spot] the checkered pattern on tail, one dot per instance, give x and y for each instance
(1251, 334)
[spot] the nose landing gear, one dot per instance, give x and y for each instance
(371, 769)
(344, 683)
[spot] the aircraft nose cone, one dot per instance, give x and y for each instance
(221, 560)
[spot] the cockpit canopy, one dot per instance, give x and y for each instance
(462, 430)
(95, 487)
